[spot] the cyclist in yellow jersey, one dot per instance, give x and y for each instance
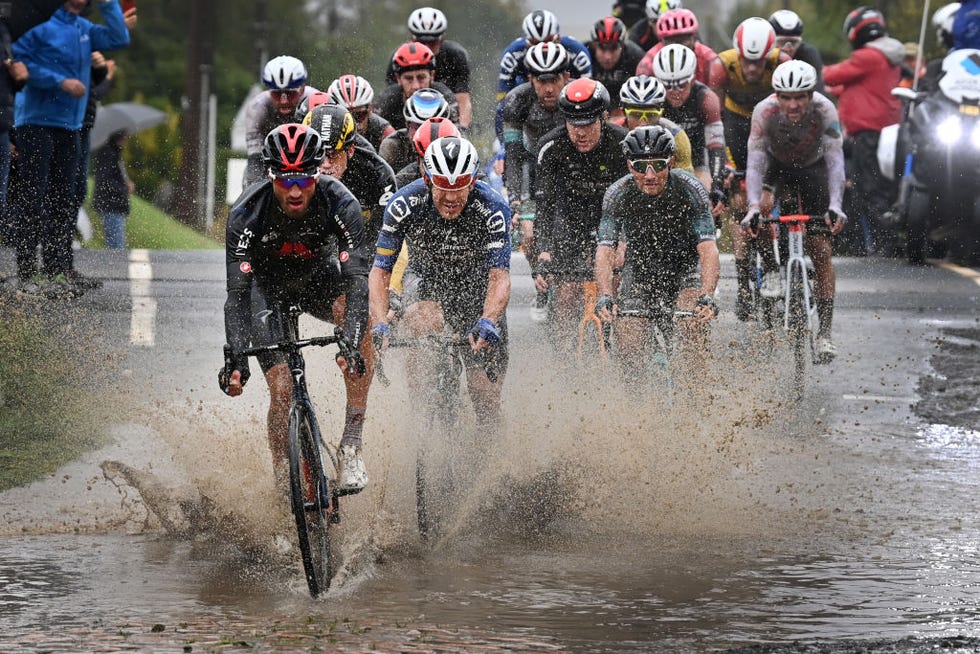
(742, 77)
(642, 98)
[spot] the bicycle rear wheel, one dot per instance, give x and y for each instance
(311, 500)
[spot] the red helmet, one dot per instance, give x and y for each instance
(293, 150)
(608, 31)
(583, 100)
(413, 56)
(309, 103)
(430, 130)
(677, 22)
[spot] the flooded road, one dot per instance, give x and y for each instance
(723, 516)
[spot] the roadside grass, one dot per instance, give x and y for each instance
(148, 227)
(49, 414)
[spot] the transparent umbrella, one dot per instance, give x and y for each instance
(129, 117)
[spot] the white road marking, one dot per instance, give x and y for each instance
(142, 325)
(879, 398)
(963, 271)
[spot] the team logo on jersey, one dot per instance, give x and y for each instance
(399, 209)
(344, 256)
(495, 223)
(245, 267)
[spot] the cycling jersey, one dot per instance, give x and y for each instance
(625, 68)
(372, 181)
(569, 190)
(452, 67)
(727, 79)
(683, 157)
(377, 129)
(705, 56)
(448, 260)
(525, 122)
(700, 118)
(398, 150)
(816, 137)
(261, 117)
(391, 103)
(275, 260)
(643, 34)
(662, 231)
(513, 73)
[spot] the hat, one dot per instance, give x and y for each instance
(911, 49)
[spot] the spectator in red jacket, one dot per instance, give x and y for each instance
(863, 85)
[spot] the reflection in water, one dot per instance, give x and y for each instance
(949, 443)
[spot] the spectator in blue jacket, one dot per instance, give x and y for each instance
(48, 118)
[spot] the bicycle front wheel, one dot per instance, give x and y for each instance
(801, 337)
(311, 500)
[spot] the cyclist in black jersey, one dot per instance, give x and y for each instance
(362, 171)
(644, 32)
(663, 214)
(789, 39)
(428, 25)
(576, 164)
(397, 149)
(531, 111)
(614, 58)
(355, 93)
(279, 252)
(414, 69)
(458, 276)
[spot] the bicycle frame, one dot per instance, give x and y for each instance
(796, 265)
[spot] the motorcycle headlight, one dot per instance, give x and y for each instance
(950, 130)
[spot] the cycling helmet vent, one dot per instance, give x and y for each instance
(675, 62)
(794, 76)
(643, 91)
(540, 25)
(284, 73)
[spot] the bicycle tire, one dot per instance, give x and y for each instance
(310, 498)
(800, 337)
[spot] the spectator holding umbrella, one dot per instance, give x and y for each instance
(112, 190)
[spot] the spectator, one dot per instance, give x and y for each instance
(13, 76)
(863, 84)
(112, 190)
(57, 54)
(428, 25)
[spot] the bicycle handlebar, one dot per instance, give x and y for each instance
(790, 219)
(447, 341)
(294, 346)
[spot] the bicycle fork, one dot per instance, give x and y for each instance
(797, 262)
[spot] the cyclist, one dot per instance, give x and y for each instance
(789, 39)
(285, 80)
(741, 77)
(428, 25)
(644, 32)
(430, 130)
(663, 213)
(279, 245)
(614, 58)
(643, 100)
(397, 149)
(576, 164)
(458, 275)
(414, 69)
(679, 27)
(362, 171)
(530, 112)
(796, 157)
(696, 108)
(355, 93)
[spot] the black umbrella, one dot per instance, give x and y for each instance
(25, 14)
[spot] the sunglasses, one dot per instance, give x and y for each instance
(444, 183)
(673, 85)
(290, 94)
(643, 165)
(644, 114)
(286, 183)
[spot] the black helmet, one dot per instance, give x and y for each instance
(334, 124)
(864, 24)
(649, 142)
(293, 150)
(583, 100)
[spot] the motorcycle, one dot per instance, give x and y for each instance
(938, 146)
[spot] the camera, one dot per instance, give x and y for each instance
(6, 10)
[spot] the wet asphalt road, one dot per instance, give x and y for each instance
(724, 516)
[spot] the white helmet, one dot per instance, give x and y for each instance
(656, 7)
(540, 25)
(545, 58)
(451, 157)
(675, 62)
(754, 38)
(794, 76)
(284, 72)
(424, 104)
(786, 23)
(643, 91)
(942, 20)
(427, 23)
(350, 91)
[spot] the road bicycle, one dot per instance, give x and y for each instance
(654, 368)
(799, 310)
(437, 485)
(313, 486)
